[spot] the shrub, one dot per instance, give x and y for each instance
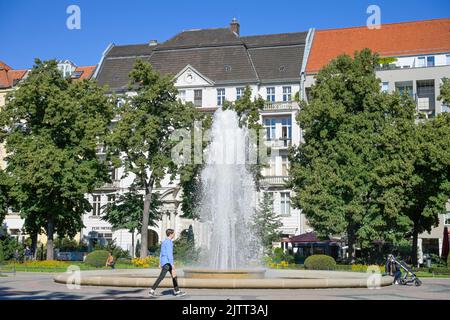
(147, 262)
(279, 255)
(184, 250)
(116, 250)
(97, 258)
(320, 262)
(448, 260)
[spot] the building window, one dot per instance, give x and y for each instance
(239, 93)
(270, 94)
(182, 95)
(447, 218)
(404, 87)
(287, 96)
(427, 61)
(269, 125)
(270, 168)
(284, 165)
(385, 86)
(285, 204)
(286, 129)
(421, 61)
(220, 96)
(447, 59)
(198, 98)
(96, 202)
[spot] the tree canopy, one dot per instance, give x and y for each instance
(52, 126)
(348, 175)
(141, 138)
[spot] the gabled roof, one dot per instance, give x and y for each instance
(8, 76)
(218, 54)
(395, 39)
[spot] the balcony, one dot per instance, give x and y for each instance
(281, 143)
(274, 180)
(279, 106)
(115, 184)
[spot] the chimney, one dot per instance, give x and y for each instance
(153, 43)
(234, 26)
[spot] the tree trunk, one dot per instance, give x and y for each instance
(145, 217)
(414, 246)
(351, 245)
(34, 245)
(50, 233)
(132, 244)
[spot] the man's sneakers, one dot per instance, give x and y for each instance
(152, 293)
(179, 293)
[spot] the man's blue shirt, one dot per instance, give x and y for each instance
(166, 255)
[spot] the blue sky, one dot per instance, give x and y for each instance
(37, 28)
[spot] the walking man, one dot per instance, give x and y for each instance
(166, 264)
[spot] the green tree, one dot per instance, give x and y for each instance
(348, 175)
(126, 213)
(444, 95)
(4, 190)
(267, 222)
(52, 127)
(428, 187)
(143, 133)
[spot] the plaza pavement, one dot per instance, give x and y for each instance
(36, 286)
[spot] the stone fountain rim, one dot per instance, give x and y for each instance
(224, 271)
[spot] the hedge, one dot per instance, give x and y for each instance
(320, 262)
(97, 258)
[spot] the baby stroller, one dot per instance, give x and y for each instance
(393, 267)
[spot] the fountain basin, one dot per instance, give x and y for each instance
(274, 279)
(224, 274)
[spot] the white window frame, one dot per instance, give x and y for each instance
(182, 95)
(96, 204)
(385, 86)
(287, 93)
(285, 204)
(220, 96)
(447, 218)
(270, 94)
(239, 92)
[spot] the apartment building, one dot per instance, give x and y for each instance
(210, 66)
(421, 58)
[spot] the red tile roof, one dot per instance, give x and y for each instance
(87, 72)
(395, 39)
(9, 76)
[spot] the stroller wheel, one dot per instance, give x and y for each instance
(417, 282)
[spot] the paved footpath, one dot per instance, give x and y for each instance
(26, 285)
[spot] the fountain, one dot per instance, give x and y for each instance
(230, 246)
(229, 241)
